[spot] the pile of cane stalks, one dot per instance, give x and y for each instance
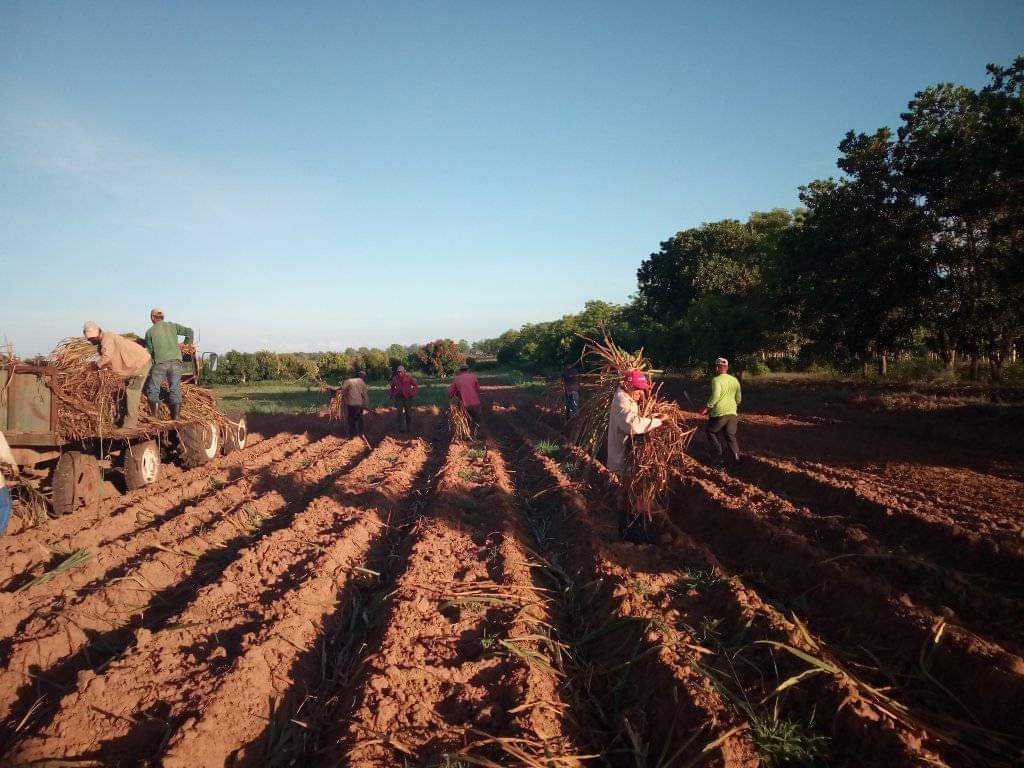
(655, 453)
(89, 400)
(458, 423)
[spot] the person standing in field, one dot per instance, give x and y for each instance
(162, 343)
(624, 424)
(127, 359)
(356, 397)
(722, 410)
(571, 386)
(403, 391)
(466, 389)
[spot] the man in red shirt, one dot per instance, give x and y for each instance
(403, 390)
(466, 390)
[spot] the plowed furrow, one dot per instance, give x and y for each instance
(976, 679)
(257, 608)
(102, 624)
(25, 555)
(465, 651)
(900, 528)
(719, 626)
(649, 701)
(968, 601)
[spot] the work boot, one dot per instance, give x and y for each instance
(154, 408)
(175, 410)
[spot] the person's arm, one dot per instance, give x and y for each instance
(394, 386)
(476, 386)
(453, 391)
(415, 387)
(716, 395)
(106, 349)
(739, 392)
(366, 396)
(185, 331)
(630, 414)
(149, 344)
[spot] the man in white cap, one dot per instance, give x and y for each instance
(403, 390)
(126, 358)
(722, 409)
(162, 343)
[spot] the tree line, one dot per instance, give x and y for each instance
(918, 247)
(440, 358)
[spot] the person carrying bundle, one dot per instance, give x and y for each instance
(466, 390)
(403, 391)
(624, 424)
(722, 409)
(162, 343)
(127, 359)
(356, 397)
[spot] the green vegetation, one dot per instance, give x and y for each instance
(306, 397)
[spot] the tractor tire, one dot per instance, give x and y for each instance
(77, 481)
(235, 434)
(141, 464)
(198, 444)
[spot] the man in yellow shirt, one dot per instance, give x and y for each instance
(723, 408)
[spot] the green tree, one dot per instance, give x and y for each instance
(441, 357)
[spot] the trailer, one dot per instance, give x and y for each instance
(72, 475)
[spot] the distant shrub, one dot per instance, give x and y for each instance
(759, 369)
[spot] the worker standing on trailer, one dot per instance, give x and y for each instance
(162, 343)
(127, 359)
(466, 390)
(356, 397)
(403, 391)
(625, 423)
(722, 410)
(571, 387)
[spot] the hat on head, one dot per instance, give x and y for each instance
(721, 361)
(362, 374)
(637, 380)
(401, 369)
(464, 367)
(90, 330)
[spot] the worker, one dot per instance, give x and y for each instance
(571, 388)
(127, 359)
(356, 397)
(403, 391)
(465, 390)
(722, 409)
(162, 343)
(624, 424)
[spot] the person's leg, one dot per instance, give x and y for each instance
(350, 419)
(359, 418)
(132, 397)
(407, 404)
(714, 426)
(474, 418)
(731, 424)
(174, 388)
(157, 374)
(575, 410)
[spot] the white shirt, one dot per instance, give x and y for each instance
(624, 421)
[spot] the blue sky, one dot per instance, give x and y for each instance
(323, 175)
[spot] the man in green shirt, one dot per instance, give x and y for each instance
(722, 408)
(162, 343)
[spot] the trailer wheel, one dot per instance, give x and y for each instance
(141, 464)
(199, 443)
(76, 483)
(235, 434)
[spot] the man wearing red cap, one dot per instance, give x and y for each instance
(624, 423)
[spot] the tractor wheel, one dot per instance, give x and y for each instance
(76, 483)
(235, 433)
(198, 443)
(141, 464)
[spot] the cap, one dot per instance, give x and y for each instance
(156, 311)
(362, 374)
(401, 369)
(637, 380)
(464, 367)
(721, 361)
(90, 329)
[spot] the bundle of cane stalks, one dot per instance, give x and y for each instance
(654, 453)
(88, 399)
(458, 424)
